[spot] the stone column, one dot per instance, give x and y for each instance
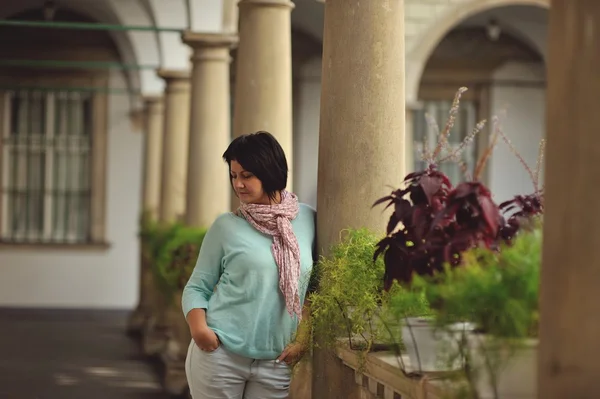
(263, 87)
(230, 16)
(208, 188)
(570, 322)
(175, 146)
(153, 137)
(173, 177)
(153, 146)
(361, 138)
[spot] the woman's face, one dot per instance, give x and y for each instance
(248, 187)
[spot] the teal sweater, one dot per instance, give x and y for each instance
(236, 280)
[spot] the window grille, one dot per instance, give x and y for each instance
(463, 126)
(46, 171)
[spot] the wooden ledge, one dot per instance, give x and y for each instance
(382, 369)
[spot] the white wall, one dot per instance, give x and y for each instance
(207, 15)
(522, 112)
(95, 279)
(307, 99)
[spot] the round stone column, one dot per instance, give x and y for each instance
(208, 188)
(153, 128)
(263, 81)
(230, 16)
(153, 143)
(175, 144)
(361, 137)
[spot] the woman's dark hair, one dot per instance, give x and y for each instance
(260, 154)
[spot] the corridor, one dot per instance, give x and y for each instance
(72, 354)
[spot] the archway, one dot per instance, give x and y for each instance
(500, 58)
(437, 28)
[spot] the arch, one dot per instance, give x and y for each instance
(417, 57)
(173, 14)
(145, 45)
(133, 48)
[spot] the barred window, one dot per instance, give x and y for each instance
(463, 126)
(46, 172)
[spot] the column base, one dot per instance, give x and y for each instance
(155, 337)
(175, 381)
(172, 350)
(136, 322)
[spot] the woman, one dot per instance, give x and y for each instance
(244, 300)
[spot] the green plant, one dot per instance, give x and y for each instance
(497, 291)
(350, 292)
(400, 303)
(171, 250)
(405, 302)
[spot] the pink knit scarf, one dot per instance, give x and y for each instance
(275, 220)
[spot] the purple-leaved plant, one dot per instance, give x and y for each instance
(433, 222)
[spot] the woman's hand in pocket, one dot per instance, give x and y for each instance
(206, 339)
(292, 354)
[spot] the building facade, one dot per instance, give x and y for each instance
(97, 124)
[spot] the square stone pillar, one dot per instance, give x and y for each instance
(175, 144)
(208, 188)
(570, 317)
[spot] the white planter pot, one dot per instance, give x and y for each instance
(430, 349)
(506, 367)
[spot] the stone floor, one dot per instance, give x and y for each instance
(72, 354)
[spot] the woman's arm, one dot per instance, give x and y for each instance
(303, 334)
(204, 337)
(295, 350)
(201, 285)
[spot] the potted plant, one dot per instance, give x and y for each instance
(432, 225)
(498, 292)
(407, 317)
(174, 262)
(175, 258)
(350, 294)
(153, 237)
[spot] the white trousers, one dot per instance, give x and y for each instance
(223, 375)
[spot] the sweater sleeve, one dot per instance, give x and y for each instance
(207, 272)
